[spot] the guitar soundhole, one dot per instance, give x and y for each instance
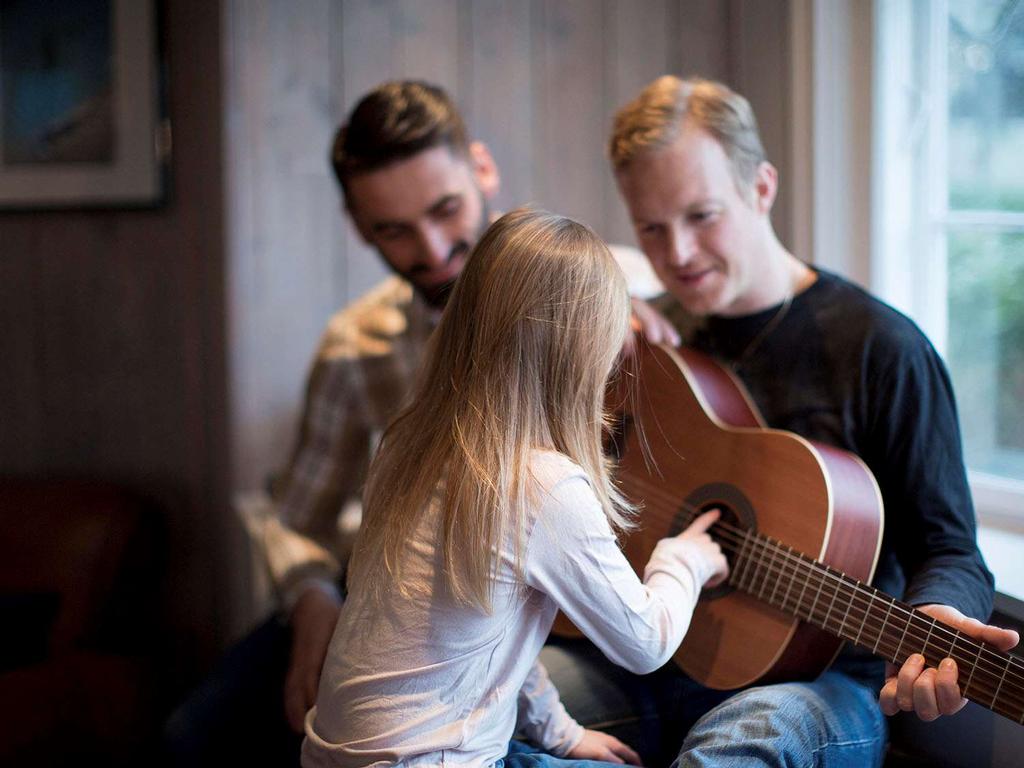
(737, 512)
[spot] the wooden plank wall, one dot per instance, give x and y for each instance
(537, 80)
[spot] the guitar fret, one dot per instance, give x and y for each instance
(970, 677)
(800, 600)
(817, 594)
(760, 592)
(831, 603)
(881, 629)
(867, 612)
(995, 696)
(781, 575)
(842, 624)
(895, 658)
(796, 571)
(924, 648)
(952, 645)
(759, 569)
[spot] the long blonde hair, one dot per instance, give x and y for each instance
(519, 361)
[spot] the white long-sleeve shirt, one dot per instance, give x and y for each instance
(422, 680)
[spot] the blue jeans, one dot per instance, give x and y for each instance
(833, 721)
(236, 716)
(523, 756)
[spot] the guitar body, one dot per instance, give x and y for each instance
(691, 439)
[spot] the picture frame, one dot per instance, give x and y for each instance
(81, 105)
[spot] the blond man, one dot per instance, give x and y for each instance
(824, 359)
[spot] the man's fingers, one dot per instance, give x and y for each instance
(947, 691)
(924, 696)
(1003, 639)
(905, 680)
(887, 697)
(654, 327)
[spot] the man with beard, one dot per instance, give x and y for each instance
(419, 192)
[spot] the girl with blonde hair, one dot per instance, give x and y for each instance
(488, 508)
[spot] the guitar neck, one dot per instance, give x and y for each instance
(849, 609)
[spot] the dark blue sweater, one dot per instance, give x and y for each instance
(843, 368)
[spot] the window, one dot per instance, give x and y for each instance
(948, 211)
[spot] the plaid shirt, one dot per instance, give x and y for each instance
(367, 359)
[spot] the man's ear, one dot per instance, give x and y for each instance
(766, 187)
(485, 170)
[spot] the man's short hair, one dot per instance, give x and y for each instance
(657, 116)
(395, 121)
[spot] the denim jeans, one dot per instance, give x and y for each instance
(524, 756)
(668, 718)
(236, 716)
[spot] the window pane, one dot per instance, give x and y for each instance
(986, 346)
(986, 104)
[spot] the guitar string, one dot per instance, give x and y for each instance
(858, 592)
(1011, 701)
(1005, 661)
(792, 554)
(976, 687)
(981, 675)
(982, 684)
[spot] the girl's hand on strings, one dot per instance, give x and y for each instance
(715, 566)
(931, 692)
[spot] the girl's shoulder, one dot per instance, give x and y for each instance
(564, 505)
(549, 468)
(562, 487)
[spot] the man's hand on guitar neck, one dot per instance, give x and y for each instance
(933, 692)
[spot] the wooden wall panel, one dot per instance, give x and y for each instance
(640, 39)
(497, 96)
(570, 111)
(286, 270)
(760, 71)
(702, 38)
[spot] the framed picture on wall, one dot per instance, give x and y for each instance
(80, 104)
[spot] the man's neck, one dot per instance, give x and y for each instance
(785, 276)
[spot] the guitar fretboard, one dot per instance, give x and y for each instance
(854, 611)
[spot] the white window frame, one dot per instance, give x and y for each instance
(853, 217)
(900, 136)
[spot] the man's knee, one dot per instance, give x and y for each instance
(833, 721)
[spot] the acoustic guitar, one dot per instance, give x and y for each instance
(801, 527)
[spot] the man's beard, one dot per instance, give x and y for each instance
(437, 296)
